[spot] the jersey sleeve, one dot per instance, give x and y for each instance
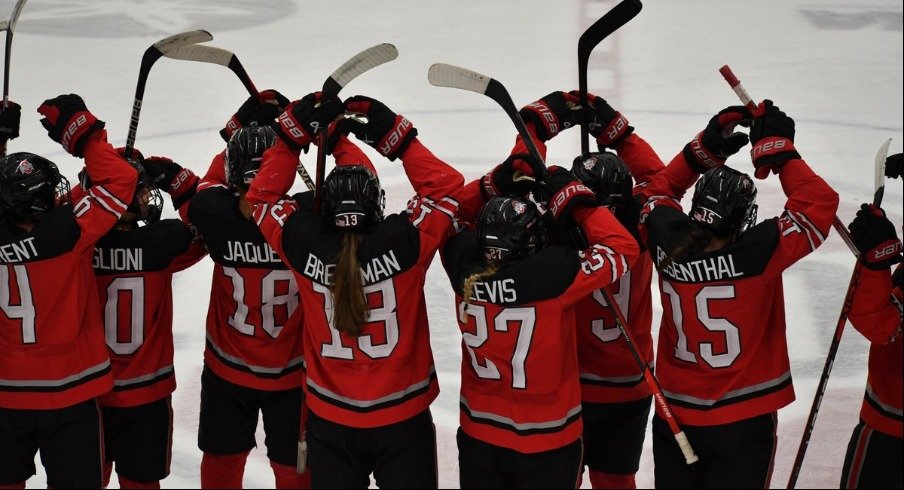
(216, 173)
(272, 207)
(640, 158)
(192, 255)
(671, 181)
(112, 190)
(809, 212)
(346, 152)
(873, 313)
(438, 187)
(612, 251)
(431, 177)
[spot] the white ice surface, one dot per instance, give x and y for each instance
(835, 66)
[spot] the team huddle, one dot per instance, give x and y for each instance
(317, 318)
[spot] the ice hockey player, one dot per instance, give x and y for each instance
(722, 359)
(54, 362)
(370, 372)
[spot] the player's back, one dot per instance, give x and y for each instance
(52, 343)
(253, 320)
(134, 271)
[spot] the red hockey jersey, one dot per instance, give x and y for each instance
(386, 375)
(875, 316)
(519, 386)
(52, 352)
(253, 319)
(609, 373)
(723, 354)
(134, 272)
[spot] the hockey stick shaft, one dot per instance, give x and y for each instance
(664, 410)
(443, 75)
(151, 55)
(356, 65)
(10, 26)
(613, 20)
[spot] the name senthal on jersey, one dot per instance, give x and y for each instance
(718, 268)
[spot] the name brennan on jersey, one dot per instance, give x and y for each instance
(250, 253)
(378, 269)
(718, 268)
(19, 251)
(119, 259)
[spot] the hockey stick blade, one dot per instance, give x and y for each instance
(879, 178)
(218, 56)
(151, 55)
(613, 20)
(365, 60)
(443, 75)
(368, 59)
(9, 26)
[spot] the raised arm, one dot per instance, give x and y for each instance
(81, 134)
(710, 148)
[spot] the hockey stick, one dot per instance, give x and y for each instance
(219, 56)
(443, 75)
(879, 183)
(748, 102)
(371, 57)
(690, 457)
(151, 55)
(9, 26)
(839, 328)
(620, 15)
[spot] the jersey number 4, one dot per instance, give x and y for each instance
(24, 311)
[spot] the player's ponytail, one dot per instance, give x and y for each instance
(350, 308)
(468, 287)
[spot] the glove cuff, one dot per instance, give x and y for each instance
(80, 128)
(543, 118)
(565, 198)
(698, 158)
(615, 132)
(884, 255)
(771, 153)
(396, 141)
(290, 131)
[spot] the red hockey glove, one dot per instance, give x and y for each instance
(772, 138)
(262, 109)
(553, 114)
(516, 176)
(608, 126)
(304, 119)
(712, 146)
(567, 192)
(68, 122)
(876, 238)
(389, 133)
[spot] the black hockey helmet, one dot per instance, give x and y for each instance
(245, 151)
(30, 184)
(510, 228)
(147, 202)
(606, 175)
(352, 198)
(725, 201)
